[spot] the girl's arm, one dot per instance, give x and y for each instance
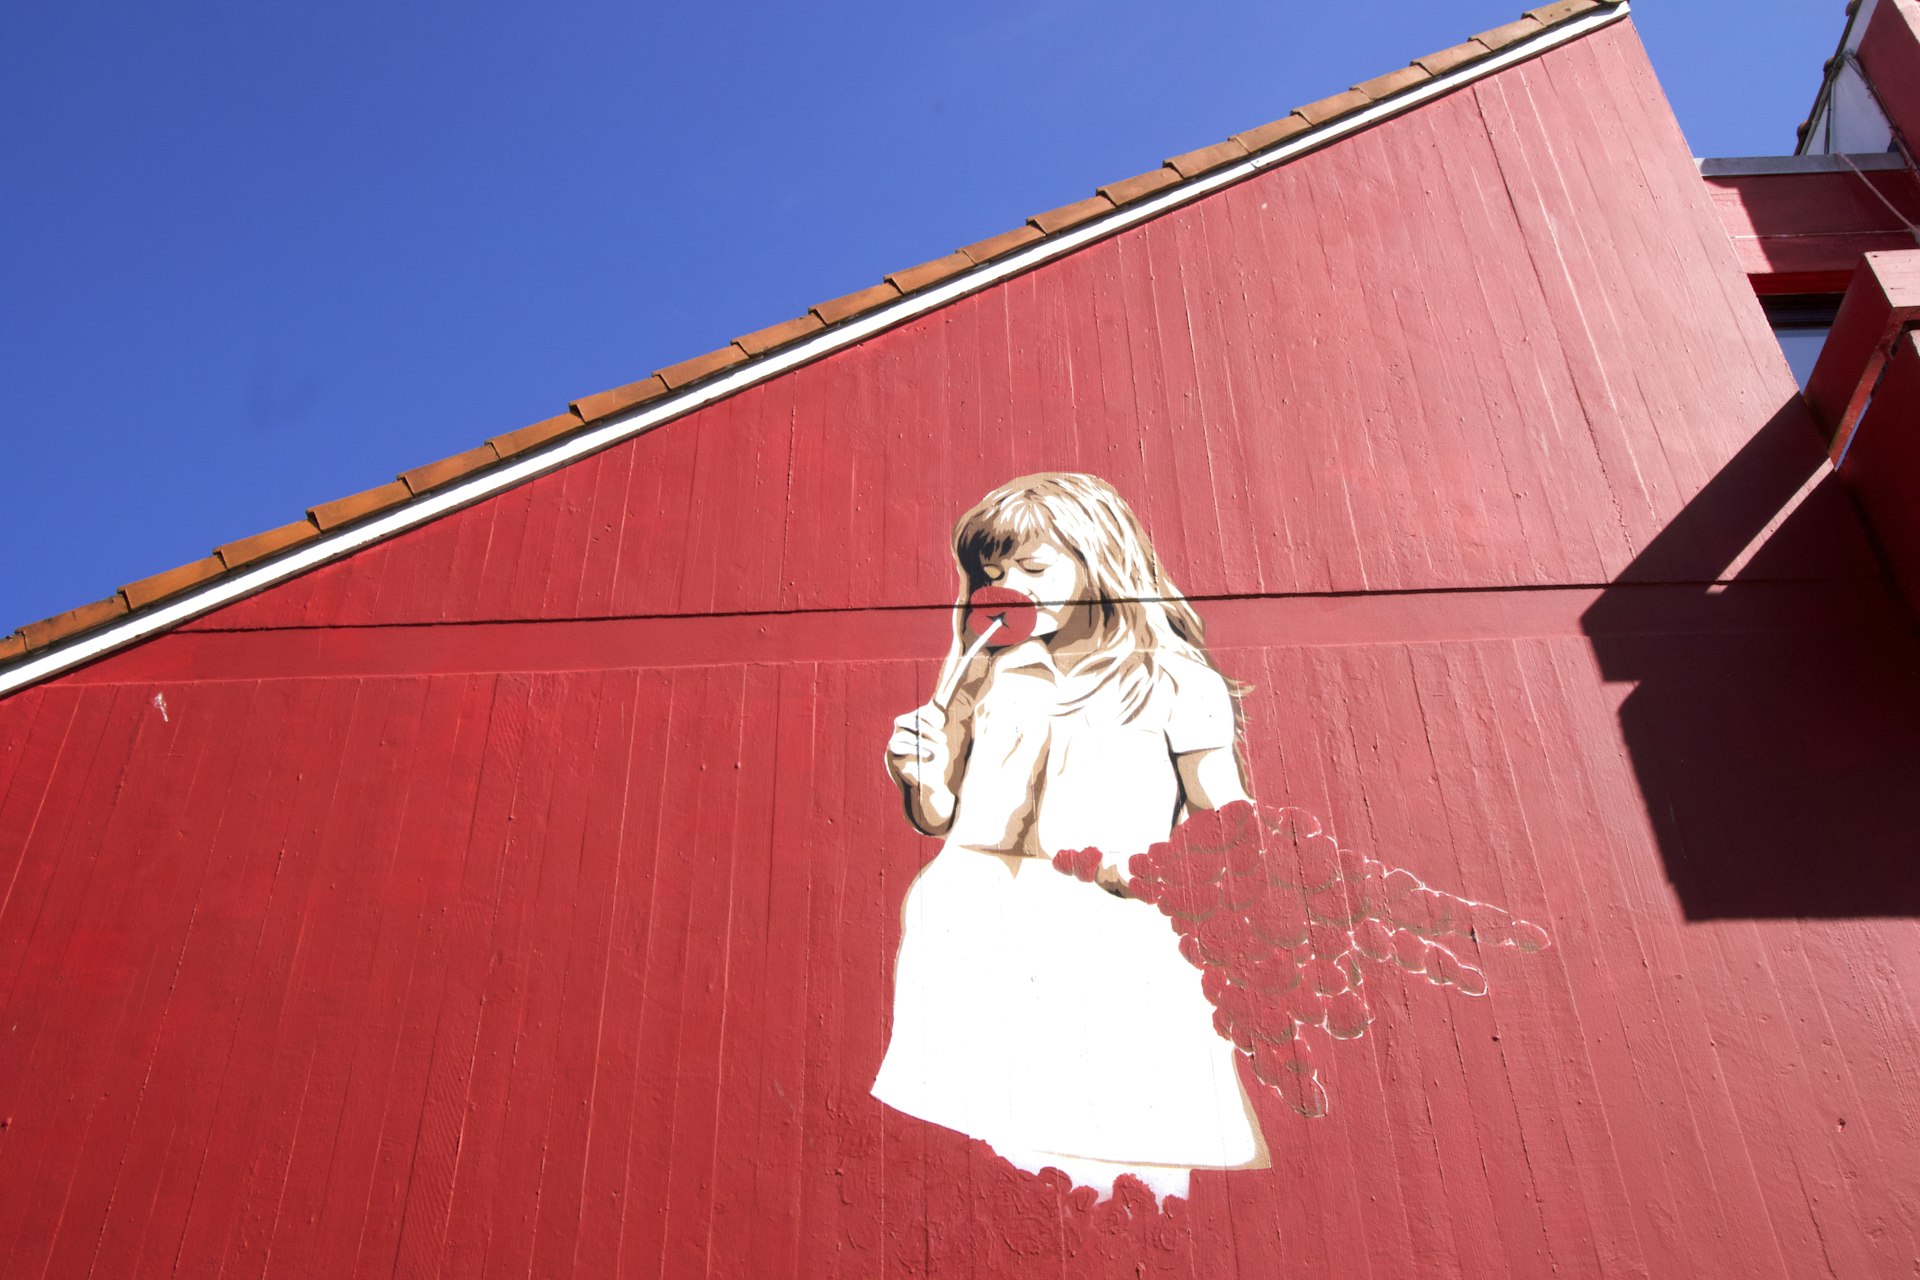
(1210, 778)
(1201, 732)
(925, 758)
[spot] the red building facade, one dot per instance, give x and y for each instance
(496, 873)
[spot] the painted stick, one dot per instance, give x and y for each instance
(1010, 617)
(951, 683)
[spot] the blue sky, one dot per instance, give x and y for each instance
(259, 256)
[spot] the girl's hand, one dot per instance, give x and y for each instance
(918, 753)
(920, 761)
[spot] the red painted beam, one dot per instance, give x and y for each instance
(1806, 232)
(1889, 54)
(1883, 465)
(1882, 300)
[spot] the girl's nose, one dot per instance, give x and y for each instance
(1020, 580)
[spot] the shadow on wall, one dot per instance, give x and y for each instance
(1774, 727)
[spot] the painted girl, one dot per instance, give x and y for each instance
(1056, 1022)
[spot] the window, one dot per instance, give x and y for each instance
(1801, 322)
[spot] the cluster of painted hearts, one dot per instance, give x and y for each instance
(1283, 922)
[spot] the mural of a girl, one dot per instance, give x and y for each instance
(1057, 1023)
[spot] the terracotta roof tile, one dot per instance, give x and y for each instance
(1259, 139)
(1502, 36)
(447, 470)
(331, 515)
(1328, 108)
(1393, 82)
(1140, 185)
(1194, 163)
(539, 433)
(173, 581)
(604, 404)
(1548, 14)
(779, 335)
(38, 635)
(1447, 59)
(679, 375)
(262, 545)
(849, 305)
(1001, 245)
(1071, 215)
(12, 647)
(919, 277)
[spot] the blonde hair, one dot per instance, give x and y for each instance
(1139, 616)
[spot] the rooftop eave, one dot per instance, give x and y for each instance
(339, 528)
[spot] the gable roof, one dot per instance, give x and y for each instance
(336, 528)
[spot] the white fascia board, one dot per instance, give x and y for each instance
(1844, 128)
(1857, 21)
(1855, 120)
(246, 581)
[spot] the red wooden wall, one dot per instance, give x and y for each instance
(1806, 232)
(518, 896)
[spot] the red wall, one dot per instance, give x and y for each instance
(559, 941)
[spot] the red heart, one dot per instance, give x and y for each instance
(1013, 610)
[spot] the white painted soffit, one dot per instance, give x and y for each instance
(247, 581)
(1846, 116)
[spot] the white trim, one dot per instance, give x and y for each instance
(1865, 118)
(230, 587)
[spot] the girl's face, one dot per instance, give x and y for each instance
(1047, 572)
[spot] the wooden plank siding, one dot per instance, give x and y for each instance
(520, 895)
(602, 982)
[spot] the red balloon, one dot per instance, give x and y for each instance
(1012, 609)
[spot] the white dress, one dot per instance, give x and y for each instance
(1037, 1012)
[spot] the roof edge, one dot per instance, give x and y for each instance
(41, 650)
(1823, 162)
(1829, 72)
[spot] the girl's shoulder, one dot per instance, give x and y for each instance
(1187, 668)
(1197, 703)
(1185, 677)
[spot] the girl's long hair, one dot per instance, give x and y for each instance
(1139, 615)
